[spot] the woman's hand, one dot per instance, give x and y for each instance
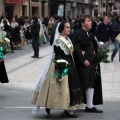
(96, 67)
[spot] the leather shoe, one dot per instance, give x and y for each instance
(34, 56)
(48, 111)
(70, 115)
(93, 110)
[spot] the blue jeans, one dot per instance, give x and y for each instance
(35, 45)
(117, 46)
(106, 48)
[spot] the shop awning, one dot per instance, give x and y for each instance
(14, 1)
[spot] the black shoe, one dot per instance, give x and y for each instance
(12, 51)
(48, 111)
(70, 115)
(93, 110)
(34, 56)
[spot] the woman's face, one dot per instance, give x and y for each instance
(87, 25)
(67, 29)
(13, 20)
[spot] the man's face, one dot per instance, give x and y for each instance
(106, 20)
(87, 24)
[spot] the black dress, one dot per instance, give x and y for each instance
(73, 78)
(28, 34)
(87, 43)
(3, 74)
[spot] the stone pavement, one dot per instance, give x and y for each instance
(24, 71)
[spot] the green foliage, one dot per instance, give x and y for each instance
(101, 55)
(4, 45)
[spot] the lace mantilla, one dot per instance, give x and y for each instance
(63, 45)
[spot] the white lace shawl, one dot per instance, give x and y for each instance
(62, 45)
(45, 70)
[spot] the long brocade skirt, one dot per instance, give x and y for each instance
(54, 94)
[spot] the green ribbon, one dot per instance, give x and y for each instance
(96, 70)
(61, 73)
(98, 73)
(1, 52)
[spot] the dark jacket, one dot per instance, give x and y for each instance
(35, 29)
(83, 42)
(103, 32)
(7, 29)
(75, 25)
(116, 29)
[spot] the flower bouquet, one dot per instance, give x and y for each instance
(4, 41)
(101, 53)
(61, 68)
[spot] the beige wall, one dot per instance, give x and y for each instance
(46, 10)
(26, 2)
(17, 10)
(1, 7)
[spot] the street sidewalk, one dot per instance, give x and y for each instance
(24, 71)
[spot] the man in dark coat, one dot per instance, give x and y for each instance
(85, 47)
(103, 33)
(35, 36)
(56, 20)
(3, 74)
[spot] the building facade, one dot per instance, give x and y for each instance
(10, 8)
(73, 7)
(1, 7)
(103, 7)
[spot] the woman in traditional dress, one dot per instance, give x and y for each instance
(15, 33)
(52, 94)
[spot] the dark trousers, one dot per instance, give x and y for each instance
(35, 45)
(11, 45)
